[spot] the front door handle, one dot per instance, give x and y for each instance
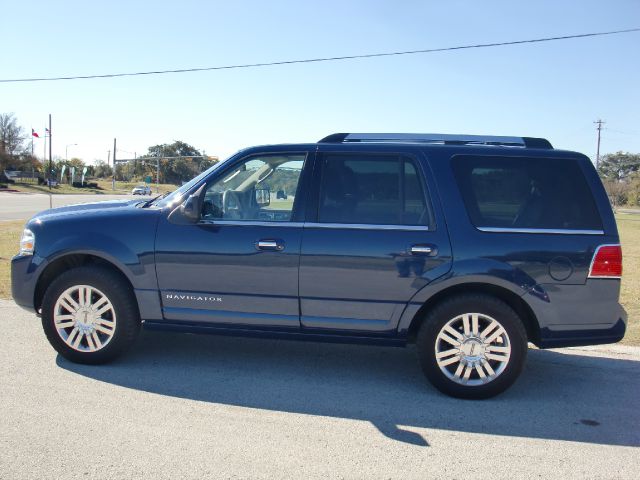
(425, 250)
(275, 245)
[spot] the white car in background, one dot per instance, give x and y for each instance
(141, 190)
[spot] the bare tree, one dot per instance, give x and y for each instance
(12, 135)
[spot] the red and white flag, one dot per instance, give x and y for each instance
(34, 133)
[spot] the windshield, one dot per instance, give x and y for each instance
(176, 196)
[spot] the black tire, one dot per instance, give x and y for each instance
(118, 292)
(458, 305)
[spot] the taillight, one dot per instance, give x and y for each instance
(607, 262)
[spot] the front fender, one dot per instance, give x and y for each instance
(124, 238)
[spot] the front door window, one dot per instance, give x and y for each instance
(262, 188)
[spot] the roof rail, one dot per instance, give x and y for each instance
(438, 138)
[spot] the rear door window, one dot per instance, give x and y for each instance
(371, 189)
(533, 193)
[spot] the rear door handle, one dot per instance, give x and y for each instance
(425, 250)
(276, 245)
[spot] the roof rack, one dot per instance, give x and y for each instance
(438, 138)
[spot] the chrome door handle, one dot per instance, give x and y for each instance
(429, 250)
(276, 245)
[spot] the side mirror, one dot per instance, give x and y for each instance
(190, 210)
(263, 197)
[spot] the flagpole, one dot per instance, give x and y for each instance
(50, 164)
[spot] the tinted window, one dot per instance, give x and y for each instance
(379, 190)
(526, 193)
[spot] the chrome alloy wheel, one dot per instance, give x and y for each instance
(472, 349)
(84, 318)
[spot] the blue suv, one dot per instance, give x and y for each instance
(468, 246)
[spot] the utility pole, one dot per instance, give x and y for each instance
(599, 122)
(113, 182)
(50, 163)
(158, 173)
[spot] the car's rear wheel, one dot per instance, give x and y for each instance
(90, 315)
(472, 346)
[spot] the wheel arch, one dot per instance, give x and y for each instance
(67, 262)
(512, 299)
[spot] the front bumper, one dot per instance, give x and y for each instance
(23, 280)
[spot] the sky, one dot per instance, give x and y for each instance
(554, 90)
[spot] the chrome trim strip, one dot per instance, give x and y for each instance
(251, 223)
(357, 226)
(367, 226)
(593, 259)
(370, 226)
(540, 230)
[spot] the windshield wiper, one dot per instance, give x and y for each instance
(158, 197)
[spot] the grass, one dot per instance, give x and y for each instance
(628, 225)
(280, 204)
(9, 237)
(104, 188)
(60, 189)
(629, 228)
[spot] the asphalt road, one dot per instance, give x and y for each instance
(186, 406)
(20, 206)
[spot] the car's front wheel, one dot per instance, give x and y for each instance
(472, 346)
(90, 315)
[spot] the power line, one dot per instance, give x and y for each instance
(322, 59)
(620, 131)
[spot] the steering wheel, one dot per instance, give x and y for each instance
(231, 205)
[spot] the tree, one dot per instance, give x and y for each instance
(620, 173)
(175, 170)
(102, 169)
(29, 163)
(12, 138)
(175, 149)
(618, 166)
(12, 135)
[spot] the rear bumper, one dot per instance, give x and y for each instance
(575, 315)
(577, 338)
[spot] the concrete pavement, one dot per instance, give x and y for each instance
(21, 206)
(186, 406)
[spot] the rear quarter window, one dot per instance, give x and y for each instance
(531, 193)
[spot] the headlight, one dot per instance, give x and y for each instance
(27, 242)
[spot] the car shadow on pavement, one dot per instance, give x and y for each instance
(559, 396)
